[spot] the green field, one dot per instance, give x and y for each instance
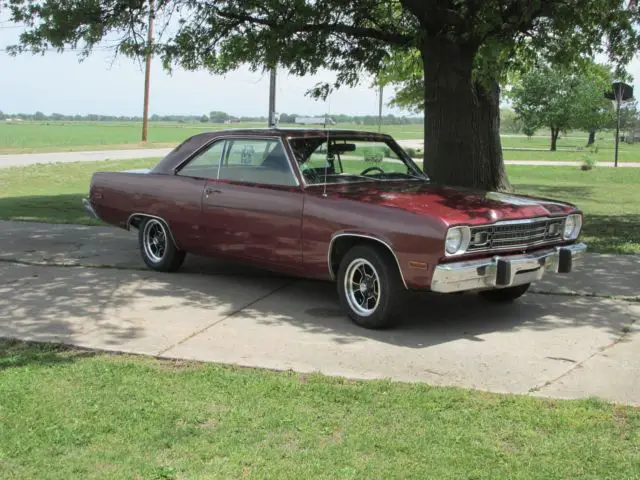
(68, 136)
(609, 197)
(67, 413)
(72, 136)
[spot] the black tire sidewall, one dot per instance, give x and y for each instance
(172, 258)
(388, 277)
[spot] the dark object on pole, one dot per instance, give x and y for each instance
(147, 74)
(620, 92)
(272, 98)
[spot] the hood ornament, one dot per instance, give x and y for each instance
(492, 215)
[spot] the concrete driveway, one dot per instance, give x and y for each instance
(55, 286)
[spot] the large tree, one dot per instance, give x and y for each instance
(465, 48)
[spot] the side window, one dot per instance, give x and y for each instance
(257, 161)
(206, 163)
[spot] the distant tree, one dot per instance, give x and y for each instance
(545, 96)
(39, 116)
(509, 121)
(592, 112)
(287, 118)
(528, 130)
(562, 97)
(219, 117)
(2, 115)
(629, 117)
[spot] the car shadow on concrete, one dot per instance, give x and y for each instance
(123, 309)
(427, 319)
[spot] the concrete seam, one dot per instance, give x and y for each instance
(225, 317)
(626, 332)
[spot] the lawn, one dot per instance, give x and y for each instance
(67, 136)
(67, 413)
(609, 197)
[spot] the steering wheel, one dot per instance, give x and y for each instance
(367, 170)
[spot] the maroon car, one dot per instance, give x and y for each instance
(346, 206)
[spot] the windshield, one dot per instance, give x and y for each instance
(347, 160)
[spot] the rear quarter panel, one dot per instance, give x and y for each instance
(178, 200)
(416, 240)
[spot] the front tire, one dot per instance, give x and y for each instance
(505, 295)
(156, 246)
(369, 287)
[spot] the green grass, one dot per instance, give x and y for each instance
(67, 136)
(53, 192)
(609, 197)
(67, 413)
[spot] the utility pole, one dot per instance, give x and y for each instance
(147, 74)
(272, 98)
(618, 101)
(380, 110)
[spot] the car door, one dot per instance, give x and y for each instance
(187, 189)
(254, 208)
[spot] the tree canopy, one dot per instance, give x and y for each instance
(465, 47)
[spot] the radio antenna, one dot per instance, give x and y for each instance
(327, 129)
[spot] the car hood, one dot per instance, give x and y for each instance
(452, 205)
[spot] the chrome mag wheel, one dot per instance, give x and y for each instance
(154, 240)
(362, 287)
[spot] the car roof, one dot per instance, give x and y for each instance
(197, 141)
(294, 132)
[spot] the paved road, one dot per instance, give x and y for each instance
(24, 159)
(21, 160)
(547, 344)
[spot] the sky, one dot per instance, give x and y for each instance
(102, 84)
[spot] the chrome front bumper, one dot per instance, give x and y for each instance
(505, 271)
(88, 208)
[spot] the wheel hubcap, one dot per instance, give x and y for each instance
(362, 287)
(154, 240)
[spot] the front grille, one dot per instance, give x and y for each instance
(515, 234)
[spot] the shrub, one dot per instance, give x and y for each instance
(587, 163)
(373, 154)
(415, 152)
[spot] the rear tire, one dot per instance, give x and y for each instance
(156, 246)
(369, 287)
(505, 295)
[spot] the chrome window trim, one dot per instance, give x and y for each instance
(332, 274)
(200, 151)
(391, 140)
(226, 138)
(284, 150)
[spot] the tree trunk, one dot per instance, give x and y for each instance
(592, 138)
(462, 120)
(554, 138)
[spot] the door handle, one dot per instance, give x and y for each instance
(209, 191)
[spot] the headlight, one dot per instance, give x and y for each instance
(457, 240)
(572, 227)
